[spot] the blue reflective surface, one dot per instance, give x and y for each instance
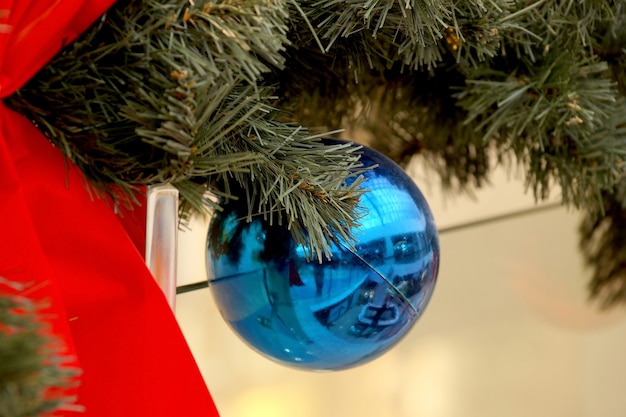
(342, 312)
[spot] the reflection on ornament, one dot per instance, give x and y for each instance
(344, 311)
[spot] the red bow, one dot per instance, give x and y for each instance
(74, 252)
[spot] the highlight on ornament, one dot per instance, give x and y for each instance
(343, 311)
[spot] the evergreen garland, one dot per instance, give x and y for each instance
(237, 93)
(170, 92)
(33, 374)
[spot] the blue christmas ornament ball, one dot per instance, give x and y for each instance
(344, 311)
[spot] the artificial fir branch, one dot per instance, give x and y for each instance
(500, 66)
(179, 92)
(170, 92)
(602, 230)
(33, 371)
(549, 117)
(603, 245)
(128, 98)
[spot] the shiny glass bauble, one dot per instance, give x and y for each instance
(339, 313)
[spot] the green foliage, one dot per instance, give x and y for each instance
(603, 245)
(127, 99)
(32, 372)
(563, 108)
(526, 78)
(235, 94)
(171, 92)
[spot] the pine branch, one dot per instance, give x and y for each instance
(603, 245)
(552, 109)
(33, 373)
(519, 77)
(172, 92)
(609, 43)
(302, 179)
(180, 92)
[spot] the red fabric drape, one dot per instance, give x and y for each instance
(74, 252)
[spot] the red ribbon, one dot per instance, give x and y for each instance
(73, 251)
